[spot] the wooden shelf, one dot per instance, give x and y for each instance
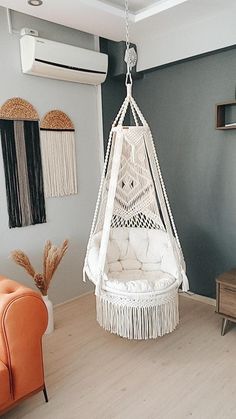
(226, 297)
(226, 114)
(226, 128)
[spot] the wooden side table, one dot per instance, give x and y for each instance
(226, 298)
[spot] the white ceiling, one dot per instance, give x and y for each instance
(164, 30)
(100, 17)
(134, 5)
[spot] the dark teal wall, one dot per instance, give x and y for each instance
(198, 162)
(113, 90)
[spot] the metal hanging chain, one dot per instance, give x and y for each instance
(127, 57)
(127, 23)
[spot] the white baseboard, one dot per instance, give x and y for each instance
(73, 299)
(198, 297)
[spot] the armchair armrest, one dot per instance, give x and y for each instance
(23, 320)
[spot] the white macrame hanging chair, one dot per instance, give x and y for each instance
(134, 256)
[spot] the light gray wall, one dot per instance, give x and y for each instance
(198, 162)
(68, 217)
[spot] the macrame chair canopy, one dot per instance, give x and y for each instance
(134, 256)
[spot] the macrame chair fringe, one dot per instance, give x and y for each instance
(146, 321)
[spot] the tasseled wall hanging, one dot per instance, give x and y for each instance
(19, 129)
(58, 154)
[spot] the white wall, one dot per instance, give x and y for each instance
(190, 29)
(67, 217)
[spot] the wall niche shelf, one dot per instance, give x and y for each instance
(226, 115)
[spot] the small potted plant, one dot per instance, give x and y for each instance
(52, 256)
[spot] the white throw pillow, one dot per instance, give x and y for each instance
(151, 267)
(168, 263)
(113, 251)
(132, 264)
(115, 267)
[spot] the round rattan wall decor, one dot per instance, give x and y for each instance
(56, 120)
(18, 109)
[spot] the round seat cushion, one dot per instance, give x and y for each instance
(138, 260)
(138, 281)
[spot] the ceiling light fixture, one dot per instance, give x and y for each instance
(35, 2)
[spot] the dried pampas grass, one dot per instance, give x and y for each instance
(52, 257)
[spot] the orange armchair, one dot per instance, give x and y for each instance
(23, 320)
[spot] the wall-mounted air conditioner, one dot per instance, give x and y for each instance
(44, 58)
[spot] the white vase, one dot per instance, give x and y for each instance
(49, 306)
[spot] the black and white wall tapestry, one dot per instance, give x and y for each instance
(58, 154)
(19, 130)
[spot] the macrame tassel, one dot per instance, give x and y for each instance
(35, 172)
(137, 322)
(59, 162)
(24, 194)
(23, 172)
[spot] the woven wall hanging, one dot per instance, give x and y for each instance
(19, 129)
(58, 154)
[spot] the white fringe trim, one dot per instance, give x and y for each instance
(59, 163)
(138, 322)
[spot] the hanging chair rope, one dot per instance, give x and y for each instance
(115, 144)
(109, 208)
(165, 205)
(133, 227)
(135, 108)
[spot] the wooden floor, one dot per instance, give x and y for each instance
(91, 374)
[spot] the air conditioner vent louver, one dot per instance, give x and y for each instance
(86, 70)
